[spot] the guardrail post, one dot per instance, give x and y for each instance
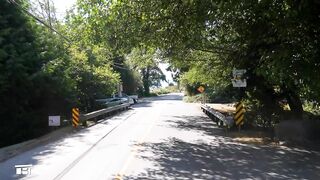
(83, 121)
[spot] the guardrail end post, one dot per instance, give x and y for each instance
(85, 123)
(227, 127)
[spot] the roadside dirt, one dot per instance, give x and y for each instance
(244, 136)
(257, 137)
(224, 108)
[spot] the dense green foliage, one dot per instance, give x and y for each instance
(102, 43)
(48, 67)
(166, 90)
(42, 74)
(95, 21)
(21, 78)
(277, 42)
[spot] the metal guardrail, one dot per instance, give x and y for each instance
(219, 118)
(85, 117)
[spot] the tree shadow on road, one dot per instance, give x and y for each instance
(142, 105)
(199, 124)
(55, 146)
(221, 158)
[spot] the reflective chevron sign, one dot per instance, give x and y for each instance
(239, 116)
(75, 117)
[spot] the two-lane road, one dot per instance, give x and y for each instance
(161, 139)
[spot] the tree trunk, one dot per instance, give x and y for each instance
(266, 96)
(145, 80)
(295, 103)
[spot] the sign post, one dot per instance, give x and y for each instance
(238, 78)
(239, 81)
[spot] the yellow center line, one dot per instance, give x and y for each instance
(134, 151)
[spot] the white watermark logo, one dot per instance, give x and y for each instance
(23, 169)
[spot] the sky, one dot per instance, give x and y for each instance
(63, 5)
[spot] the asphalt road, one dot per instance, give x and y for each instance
(164, 138)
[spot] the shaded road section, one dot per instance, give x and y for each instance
(163, 138)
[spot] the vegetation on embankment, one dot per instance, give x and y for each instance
(166, 90)
(48, 66)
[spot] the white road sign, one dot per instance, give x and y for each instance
(238, 73)
(54, 120)
(238, 78)
(239, 83)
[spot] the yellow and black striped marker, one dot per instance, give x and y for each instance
(75, 117)
(239, 116)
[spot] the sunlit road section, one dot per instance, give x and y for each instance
(163, 138)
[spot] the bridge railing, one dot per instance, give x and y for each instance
(218, 117)
(94, 114)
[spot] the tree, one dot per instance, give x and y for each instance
(274, 40)
(145, 61)
(43, 72)
(91, 20)
(45, 10)
(24, 86)
(101, 28)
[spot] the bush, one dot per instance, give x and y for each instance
(312, 107)
(193, 99)
(223, 95)
(165, 90)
